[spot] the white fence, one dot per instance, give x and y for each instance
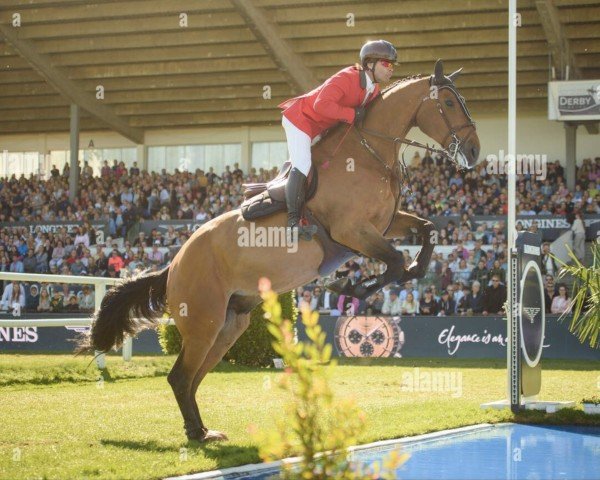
(100, 284)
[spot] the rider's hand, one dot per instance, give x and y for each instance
(359, 115)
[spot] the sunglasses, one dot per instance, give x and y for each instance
(386, 63)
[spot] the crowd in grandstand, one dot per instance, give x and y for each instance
(468, 280)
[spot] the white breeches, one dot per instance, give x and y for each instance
(299, 144)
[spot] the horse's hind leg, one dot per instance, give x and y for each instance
(236, 322)
(199, 333)
(181, 379)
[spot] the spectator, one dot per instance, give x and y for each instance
(58, 254)
(494, 297)
(13, 296)
(550, 291)
(498, 271)
(480, 273)
(374, 304)
(155, 256)
(473, 302)
(462, 272)
(16, 265)
(446, 305)
(326, 300)
(348, 305)
(82, 237)
(29, 262)
(408, 289)
(41, 260)
(428, 305)
(116, 262)
(72, 305)
(548, 263)
(44, 301)
(307, 301)
(578, 229)
(32, 299)
(445, 276)
(409, 306)
(77, 268)
(561, 302)
(392, 306)
(57, 301)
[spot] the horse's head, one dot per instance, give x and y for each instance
(444, 116)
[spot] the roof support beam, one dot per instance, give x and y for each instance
(562, 56)
(68, 88)
(301, 78)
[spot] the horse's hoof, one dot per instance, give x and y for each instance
(214, 436)
(203, 435)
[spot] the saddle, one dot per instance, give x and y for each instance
(264, 199)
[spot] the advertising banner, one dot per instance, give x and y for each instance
(574, 100)
(439, 337)
(100, 227)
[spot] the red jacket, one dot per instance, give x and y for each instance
(329, 103)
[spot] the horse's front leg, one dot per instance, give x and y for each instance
(367, 240)
(405, 224)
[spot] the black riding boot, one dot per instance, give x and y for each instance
(295, 192)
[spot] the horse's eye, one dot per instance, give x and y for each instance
(450, 103)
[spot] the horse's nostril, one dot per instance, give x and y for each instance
(474, 152)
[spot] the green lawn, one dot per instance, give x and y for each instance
(58, 421)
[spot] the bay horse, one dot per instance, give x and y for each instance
(211, 286)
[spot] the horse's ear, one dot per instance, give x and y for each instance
(438, 71)
(454, 75)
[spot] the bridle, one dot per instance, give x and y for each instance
(451, 152)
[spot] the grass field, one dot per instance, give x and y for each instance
(59, 422)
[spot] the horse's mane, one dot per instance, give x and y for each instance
(402, 81)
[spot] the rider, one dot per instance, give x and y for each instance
(341, 97)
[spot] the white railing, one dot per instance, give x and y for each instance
(100, 284)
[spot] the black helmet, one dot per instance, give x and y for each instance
(378, 49)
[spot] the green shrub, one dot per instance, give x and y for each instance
(169, 339)
(254, 347)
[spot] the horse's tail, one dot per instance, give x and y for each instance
(126, 308)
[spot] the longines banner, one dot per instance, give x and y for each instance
(60, 339)
(411, 337)
(574, 100)
(550, 226)
(100, 227)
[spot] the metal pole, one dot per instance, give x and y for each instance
(512, 147)
(571, 150)
(74, 160)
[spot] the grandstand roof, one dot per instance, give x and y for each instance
(158, 74)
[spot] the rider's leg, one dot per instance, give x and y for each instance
(299, 144)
